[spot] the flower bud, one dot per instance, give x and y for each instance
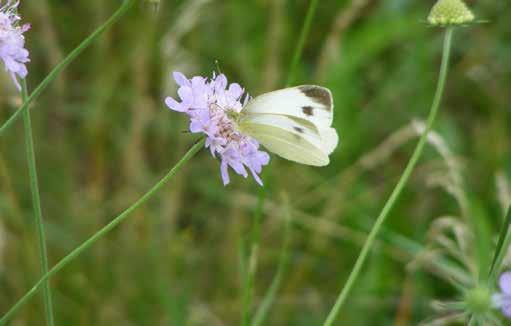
(478, 300)
(450, 12)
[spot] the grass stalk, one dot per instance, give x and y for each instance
(355, 272)
(36, 202)
(101, 233)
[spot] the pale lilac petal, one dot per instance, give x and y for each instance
(235, 91)
(256, 177)
(181, 79)
(224, 173)
(15, 81)
(198, 83)
(12, 42)
(25, 28)
(505, 282)
(186, 95)
(207, 104)
(174, 105)
(264, 158)
(238, 168)
(215, 144)
(201, 123)
(210, 143)
(196, 126)
(220, 83)
(506, 308)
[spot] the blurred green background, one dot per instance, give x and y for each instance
(103, 136)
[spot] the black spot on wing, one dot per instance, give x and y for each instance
(300, 130)
(318, 94)
(308, 110)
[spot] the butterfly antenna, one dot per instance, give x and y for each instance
(217, 65)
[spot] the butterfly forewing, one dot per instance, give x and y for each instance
(311, 103)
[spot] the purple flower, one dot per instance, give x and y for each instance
(12, 42)
(502, 300)
(213, 107)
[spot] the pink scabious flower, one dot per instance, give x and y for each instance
(12, 41)
(213, 107)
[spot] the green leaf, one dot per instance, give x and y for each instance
(501, 245)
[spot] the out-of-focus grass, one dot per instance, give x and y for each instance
(103, 136)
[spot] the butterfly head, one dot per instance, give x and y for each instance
(233, 115)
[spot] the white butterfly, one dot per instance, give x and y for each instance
(294, 123)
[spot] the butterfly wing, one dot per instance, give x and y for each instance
(329, 138)
(293, 123)
(307, 102)
(287, 138)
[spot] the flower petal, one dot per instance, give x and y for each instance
(180, 79)
(207, 102)
(220, 83)
(12, 45)
(506, 308)
(235, 90)
(256, 177)
(224, 173)
(505, 282)
(185, 94)
(173, 104)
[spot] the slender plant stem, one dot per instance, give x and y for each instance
(101, 233)
(36, 202)
(64, 63)
(269, 298)
(400, 185)
(254, 241)
(501, 249)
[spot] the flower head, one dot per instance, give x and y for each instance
(502, 299)
(450, 12)
(213, 107)
(12, 41)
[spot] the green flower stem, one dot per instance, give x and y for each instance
(98, 235)
(36, 202)
(400, 185)
(63, 64)
(254, 241)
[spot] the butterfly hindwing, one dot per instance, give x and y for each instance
(329, 138)
(286, 137)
